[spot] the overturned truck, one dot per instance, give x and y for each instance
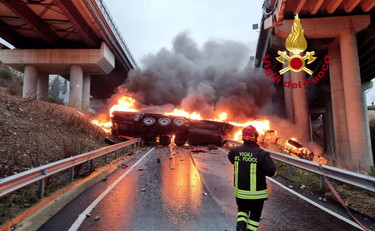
(153, 128)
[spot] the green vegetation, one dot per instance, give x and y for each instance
(10, 80)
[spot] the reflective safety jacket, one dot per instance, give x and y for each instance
(251, 166)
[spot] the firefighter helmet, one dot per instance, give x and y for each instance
(250, 133)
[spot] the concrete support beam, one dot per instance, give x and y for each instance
(42, 92)
(30, 82)
(86, 91)
(359, 141)
(76, 82)
(301, 107)
(340, 128)
(327, 27)
(58, 61)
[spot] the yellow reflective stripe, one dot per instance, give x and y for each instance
(251, 197)
(251, 192)
(253, 177)
(242, 194)
(254, 223)
(236, 174)
(241, 219)
(242, 214)
(249, 227)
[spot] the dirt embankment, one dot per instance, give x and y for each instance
(35, 133)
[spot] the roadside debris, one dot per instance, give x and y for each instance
(196, 150)
(123, 165)
(212, 147)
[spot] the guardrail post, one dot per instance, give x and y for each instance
(91, 165)
(105, 159)
(116, 154)
(41, 188)
(290, 170)
(322, 183)
(71, 174)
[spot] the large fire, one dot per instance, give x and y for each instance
(125, 102)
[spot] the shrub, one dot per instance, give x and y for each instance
(15, 86)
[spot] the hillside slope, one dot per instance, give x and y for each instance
(34, 133)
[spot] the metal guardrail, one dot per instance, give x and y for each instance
(20, 180)
(348, 177)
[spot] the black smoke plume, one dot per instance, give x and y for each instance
(217, 77)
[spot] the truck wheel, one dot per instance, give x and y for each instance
(149, 121)
(164, 121)
(165, 140)
(150, 140)
(180, 140)
(179, 122)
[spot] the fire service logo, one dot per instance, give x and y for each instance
(296, 44)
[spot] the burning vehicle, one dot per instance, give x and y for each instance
(290, 146)
(163, 128)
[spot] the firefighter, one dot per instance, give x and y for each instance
(251, 166)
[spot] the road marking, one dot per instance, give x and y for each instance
(82, 216)
(310, 201)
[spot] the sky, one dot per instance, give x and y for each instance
(149, 25)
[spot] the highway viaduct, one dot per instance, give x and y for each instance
(74, 39)
(342, 35)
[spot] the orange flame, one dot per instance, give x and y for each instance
(222, 116)
(124, 103)
(260, 125)
(106, 126)
(183, 113)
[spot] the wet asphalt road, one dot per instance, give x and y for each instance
(282, 211)
(165, 191)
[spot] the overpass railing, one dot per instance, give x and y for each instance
(348, 177)
(117, 34)
(20, 180)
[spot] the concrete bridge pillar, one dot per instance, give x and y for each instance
(359, 141)
(340, 128)
(30, 82)
(301, 107)
(288, 98)
(42, 86)
(76, 82)
(86, 91)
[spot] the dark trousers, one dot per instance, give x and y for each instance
(250, 210)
